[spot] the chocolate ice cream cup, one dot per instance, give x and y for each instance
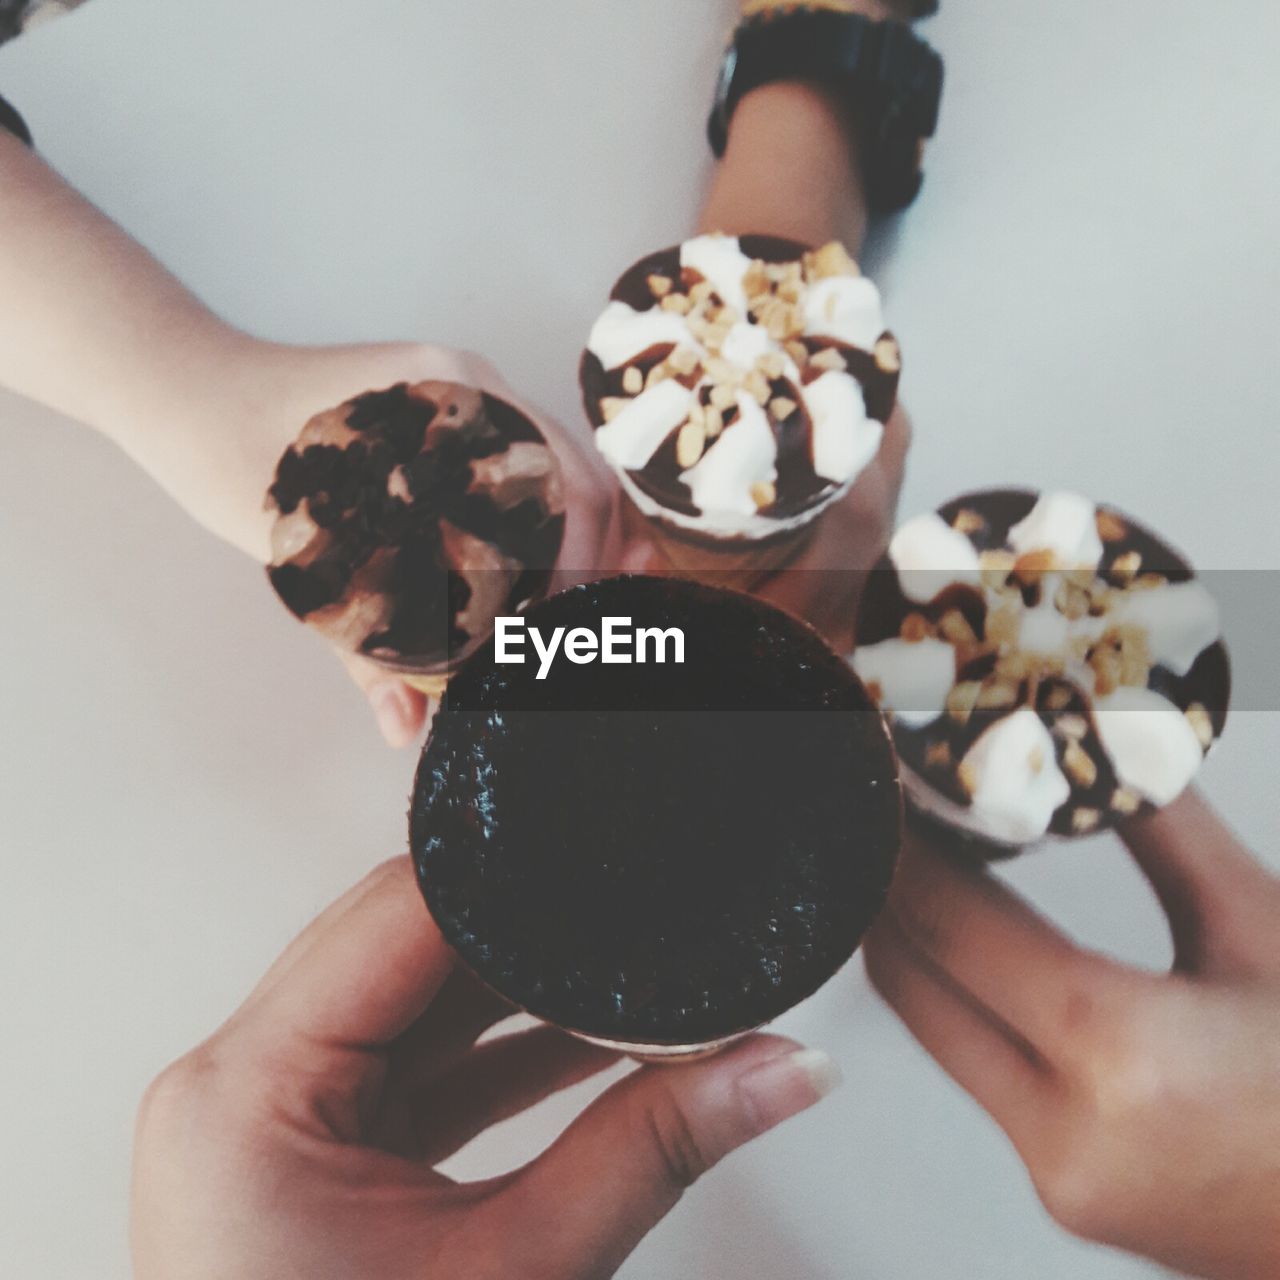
(738, 387)
(657, 856)
(1049, 667)
(408, 519)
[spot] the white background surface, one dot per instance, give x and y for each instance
(1086, 294)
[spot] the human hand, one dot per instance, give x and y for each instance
(301, 1139)
(267, 392)
(1145, 1106)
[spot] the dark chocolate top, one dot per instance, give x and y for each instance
(933, 751)
(407, 519)
(798, 486)
(658, 853)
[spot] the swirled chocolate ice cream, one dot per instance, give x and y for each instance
(738, 386)
(407, 519)
(659, 855)
(1049, 665)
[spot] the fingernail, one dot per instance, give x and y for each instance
(391, 708)
(782, 1087)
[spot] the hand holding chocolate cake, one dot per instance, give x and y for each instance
(408, 519)
(738, 387)
(659, 856)
(1049, 666)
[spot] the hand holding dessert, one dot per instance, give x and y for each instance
(1146, 1106)
(301, 1140)
(208, 410)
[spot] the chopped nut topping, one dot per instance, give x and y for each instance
(1125, 801)
(968, 777)
(679, 303)
(938, 755)
(995, 567)
(723, 396)
(683, 360)
(782, 408)
(659, 373)
(1073, 727)
(700, 293)
(962, 699)
(1004, 625)
(1125, 567)
(1083, 820)
(1148, 582)
(772, 365)
(1080, 765)
(1110, 527)
(1105, 662)
(968, 521)
(888, 356)
(797, 351)
(757, 386)
(714, 422)
(829, 358)
(875, 692)
(954, 626)
(915, 627)
(1029, 567)
(756, 281)
(997, 694)
(690, 443)
(1071, 601)
(633, 381)
(1135, 656)
(1059, 699)
(831, 260)
(764, 493)
(611, 406)
(659, 286)
(1200, 720)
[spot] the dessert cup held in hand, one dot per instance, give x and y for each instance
(738, 387)
(408, 519)
(1048, 666)
(657, 855)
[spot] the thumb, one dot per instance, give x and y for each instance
(586, 1203)
(401, 712)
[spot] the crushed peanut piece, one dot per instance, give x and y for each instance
(938, 755)
(1072, 726)
(659, 286)
(611, 406)
(1004, 625)
(723, 396)
(968, 521)
(1125, 801)
(1110, 527)
(829, 358)
(690, 443)
(797, 351)
(1080, 765)
(954, 626)
(1148, 582)
(764, 493)
(1083, 820)
(995, 567)
(679, 303)
(1200, 720)
(968, 777)
(1125, 567)
(782, 408)
(915, 627)
(1029, 566)
(831, 260)
(757, 386)
(996, 694)
(633, 381)
(772, 365)
(1059, 699)
(1071, 601)
(888, 355)
(962, 699)
(684, 360)
(659, 373)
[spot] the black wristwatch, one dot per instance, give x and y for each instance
(890, 78)
(12, 122)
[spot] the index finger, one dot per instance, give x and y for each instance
(362, 973)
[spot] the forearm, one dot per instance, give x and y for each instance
(92, 325)
(791, 169)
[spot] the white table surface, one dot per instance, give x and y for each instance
(1086, 293)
